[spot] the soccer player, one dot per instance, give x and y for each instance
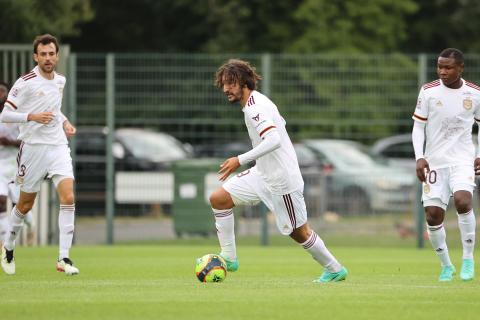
(275, 179)
(445, 112)
(35, 102)
(8, 154)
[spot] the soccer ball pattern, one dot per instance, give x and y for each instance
(211, 268)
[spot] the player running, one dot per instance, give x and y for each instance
(275, 179)
(35, 102)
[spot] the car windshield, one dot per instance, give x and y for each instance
(152, 145)
(349, 154)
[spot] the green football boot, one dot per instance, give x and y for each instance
(447, 273)
(232, 266)
(468, 270)
(332, 276)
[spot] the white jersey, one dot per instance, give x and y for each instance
(32, 93)
(9, 131)
(278, 168)
(449, 115)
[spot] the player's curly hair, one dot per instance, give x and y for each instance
(237, 71)
(45, 39)
(454, 53)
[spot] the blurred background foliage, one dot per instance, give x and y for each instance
(247, 26)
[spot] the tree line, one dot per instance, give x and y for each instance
(247, 26)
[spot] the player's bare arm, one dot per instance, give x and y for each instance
(228, 167)
(69, 129)
(42, 117)
(422, 169)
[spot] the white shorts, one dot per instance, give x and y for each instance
(442, 183)
(37, 162)
(248, 188)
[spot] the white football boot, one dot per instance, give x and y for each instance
(66, 265)
(8, 262)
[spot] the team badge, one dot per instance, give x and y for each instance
(439, 103)
(426, 188)
(257, 117)
(467, 104)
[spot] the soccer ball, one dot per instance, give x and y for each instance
(211, 268)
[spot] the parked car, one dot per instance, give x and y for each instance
(134, 149)
(358, 183)
(398, 150)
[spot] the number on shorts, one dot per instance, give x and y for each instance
(432, 177)
(244, 173)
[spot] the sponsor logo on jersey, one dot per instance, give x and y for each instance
(40, 93)
(467, 104)
(15, 92)
(439, 103)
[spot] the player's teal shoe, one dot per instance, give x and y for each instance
(232, 266)
(468, 270)
(333, 276)
(447, 273)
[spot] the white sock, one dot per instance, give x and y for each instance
(3, 225)
(225, 223)
(438, 239)
(467, 224)
(66, 220)
(316, 247)
(29, 219)
(15, 225)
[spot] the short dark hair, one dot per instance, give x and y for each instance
(6, 85)
(237, 71)
(45, 39)
(456, 54)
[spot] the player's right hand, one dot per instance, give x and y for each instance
(422, 169)
(42, 117)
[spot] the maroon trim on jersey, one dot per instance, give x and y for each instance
(478, 120)
(287, 199)
(432, 84)
(12, 104)
(27, 74)
(266, 129)
(472, 85)
(420, 118)
(250, 101)
(26, 78)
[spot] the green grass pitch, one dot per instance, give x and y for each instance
(158, 282)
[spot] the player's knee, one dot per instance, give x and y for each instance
(220, 199)
(25, 206)
(434, 217)
(67, 199)
(463, 205)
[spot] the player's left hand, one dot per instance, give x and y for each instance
(229, 166)
(69, 129)
(476, 165)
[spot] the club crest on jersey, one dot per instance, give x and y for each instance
(257, 117)
(439, 103)
(426, 188)
(467, 104)
(40, 94)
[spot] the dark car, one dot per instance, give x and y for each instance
(134, 149)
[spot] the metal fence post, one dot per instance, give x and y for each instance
(110, 164)
(266, 89)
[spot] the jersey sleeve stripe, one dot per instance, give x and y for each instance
(266, 129)
(478, 120)
(11, 104)
(417, 117)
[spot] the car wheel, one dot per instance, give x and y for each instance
(355, 202)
